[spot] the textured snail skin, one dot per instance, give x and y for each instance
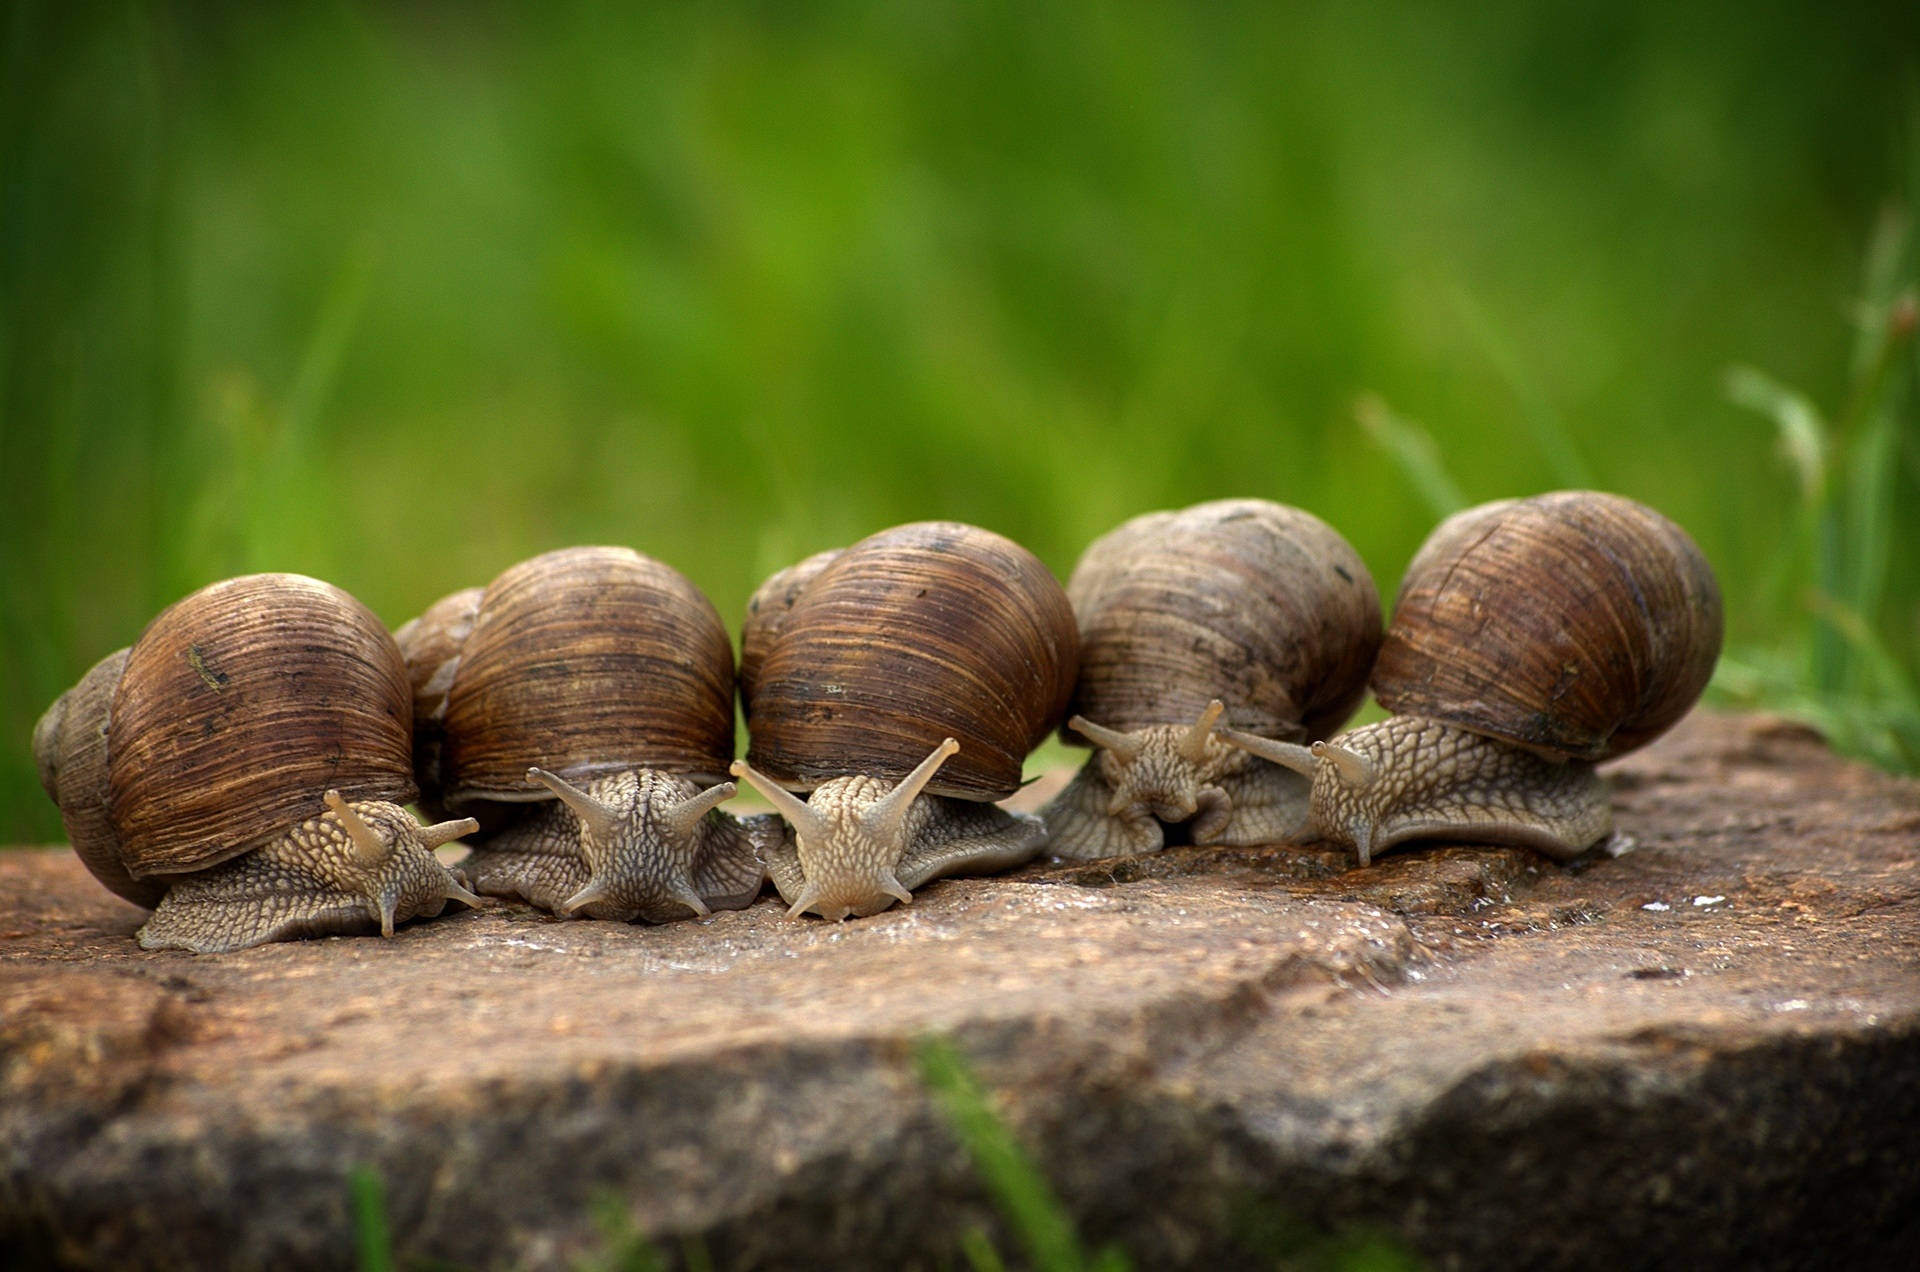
(310, 881)
(644, 866)
(851, 851)
(605, 668)
(861, 661)
(1119, 806)
(191, 769)
(1412, 778)
(855, 874)
(864, 672)
(1238, 609)
(1531, 639)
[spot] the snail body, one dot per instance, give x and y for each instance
(240, 770)
(1237, 612)
(899, 684)
(1531, 639)
(581, 708)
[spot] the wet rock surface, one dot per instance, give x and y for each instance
(1701, 1048)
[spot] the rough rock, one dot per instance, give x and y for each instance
(1699, 1048)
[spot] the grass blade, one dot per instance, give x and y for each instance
(371, 1234)
(1893, 687)
(1022, 1193)
(1871, 469)
(1802, 430)
(1549, 429)
(624, 1248)
(1806, 442)
(1413, 449)
(326, 347)
(980, 1252)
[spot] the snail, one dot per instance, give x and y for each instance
(239, 770)
(901, 682)
(1238, 612)
(1532, 639)
(581, 707)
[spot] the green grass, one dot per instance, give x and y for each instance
(1831, 666)
(622, 1246)
(1044, 1230)
(1032, 1212)
(397, 299)
(1836, 668)
(1020, 1192)
(372, 1236)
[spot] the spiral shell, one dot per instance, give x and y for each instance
(584, 661)
(431, 645)
(922, 632)
(223, 724)
(767, 611)
(1258, 604)
(1577, 624)
(70, 745)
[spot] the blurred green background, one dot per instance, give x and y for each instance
(397, 296)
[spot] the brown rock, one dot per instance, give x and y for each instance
(1701, 1051)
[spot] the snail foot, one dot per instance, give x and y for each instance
(300, 885)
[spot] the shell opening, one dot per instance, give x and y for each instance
(46, 745)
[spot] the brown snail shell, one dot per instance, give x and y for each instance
(212, 764)
(603, 679)
(582, 661)
(431, 645)
(1263, 606)
(926, 631)
(215, 742)
(1577, 624)
(767, 611)
(902, 682)
(70, 745)
(1241, 609)
(1531, 639)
